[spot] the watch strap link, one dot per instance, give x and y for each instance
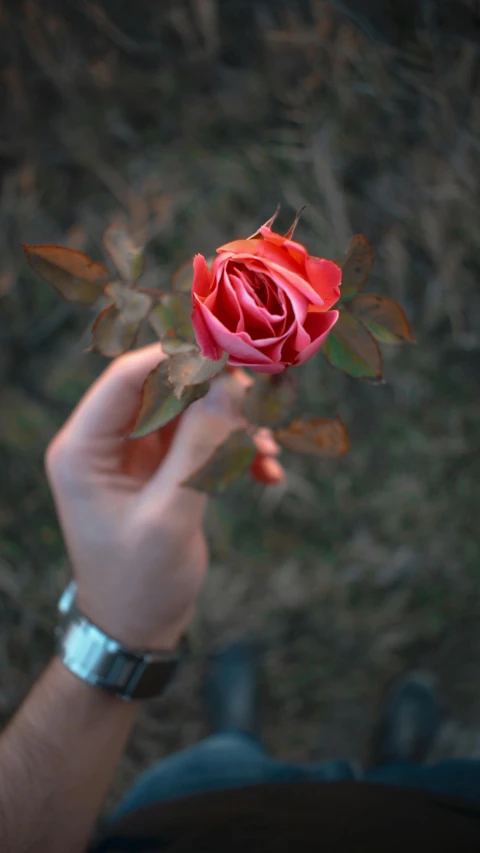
(98, 659)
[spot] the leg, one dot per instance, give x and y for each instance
(231, 757)
(406, 735)
(225, 760)
(456, 778)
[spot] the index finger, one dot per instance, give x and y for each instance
(111, 403)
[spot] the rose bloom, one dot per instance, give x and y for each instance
(265, 301)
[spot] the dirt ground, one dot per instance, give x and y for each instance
(355, 571)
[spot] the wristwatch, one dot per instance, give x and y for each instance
(98, 659)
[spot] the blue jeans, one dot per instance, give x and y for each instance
(235, 760)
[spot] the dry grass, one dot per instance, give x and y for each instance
(357, 570)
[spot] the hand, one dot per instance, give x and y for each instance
(133, 533)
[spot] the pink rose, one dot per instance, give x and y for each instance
(265, 302)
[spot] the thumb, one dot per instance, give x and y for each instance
(206, 424)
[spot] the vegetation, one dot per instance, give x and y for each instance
(191, 120)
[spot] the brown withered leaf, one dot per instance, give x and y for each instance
(356, 265)
(159, 406)
(315, 436)
(76, 277)
(270, 398)
(384, 318)
(126, 256)
(350, 347)
(226, 465)
(116, 327)
(192, 368)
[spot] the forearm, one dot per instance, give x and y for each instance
(57, 759)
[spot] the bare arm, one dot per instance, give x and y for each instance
(57, 759)
(139, 557)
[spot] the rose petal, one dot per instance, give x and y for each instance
(318, 326)
(202, 277)
(294, 249)
(260, 249)
(290, 281)
(325, 277)
(276, 302)
(270, 346)
(293, 299)
(223, 302)
(206, 342)
(254, 315)
(228, 341)
(273, 298)
(301, 338)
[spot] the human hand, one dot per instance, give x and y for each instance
(133, 533)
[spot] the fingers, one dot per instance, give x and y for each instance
(203, 427)
(267, 470)
(265, 467)
(266, 444)
(108, 409)
(111, 404)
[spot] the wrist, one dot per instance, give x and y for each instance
(132, 635)
(124, 624)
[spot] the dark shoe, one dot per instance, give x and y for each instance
(410, 722)
(231, 689)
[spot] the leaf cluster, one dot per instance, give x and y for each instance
(184, 375)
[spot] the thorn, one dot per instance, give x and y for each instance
(267, 224)
(289, 233)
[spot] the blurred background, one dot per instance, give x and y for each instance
(193, 120)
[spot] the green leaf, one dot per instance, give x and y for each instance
(172, 346)
(183, 278)
(173, 315)
(351, 348)
(315, 436)
(133, 305)
(162, 319)
(226, 465)
(76, 277)
(116, 327)
(356, 266)
(108, 335)
(187, 369)
(127, 257)
(158, 405)
(383, 317)
(269, 400)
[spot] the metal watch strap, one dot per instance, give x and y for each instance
(98, 659)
